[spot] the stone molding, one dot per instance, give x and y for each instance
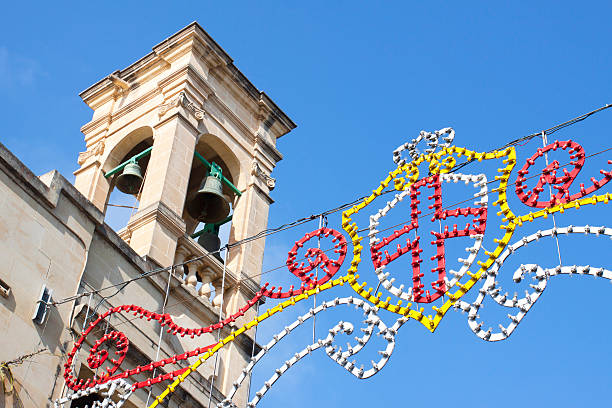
(263, 192)
(96, 150)
(231, 116)
(161, 213)
(188, 38)
(268, 148)
(262, 175)
(47, 188)
(182, 100)
(188, 71)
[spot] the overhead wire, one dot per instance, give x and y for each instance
(303, 220)
(549, 131)
(250, 277)
(425, 215)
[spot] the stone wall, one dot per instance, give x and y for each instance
(51, 235)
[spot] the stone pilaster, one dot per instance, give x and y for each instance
(157, 225)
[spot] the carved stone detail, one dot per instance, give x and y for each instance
(182, 100)
(96, 150)
(263, 176)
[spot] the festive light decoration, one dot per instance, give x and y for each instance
(448, 287)
(432, 140)
(107, 390)
(304, 273)
(97, 358)
(492, 288)
(270, 312)
(549, 176)
(403, 178)
(477, 231)
(335, 353)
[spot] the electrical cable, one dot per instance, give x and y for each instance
(304, 220)
(270, 231)
(548, 131)
(249, 277)
(426, 214)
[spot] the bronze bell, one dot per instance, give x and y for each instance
(209, 241)
(130, 181)
(209, 205)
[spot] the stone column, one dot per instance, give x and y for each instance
(157, 225)
(179, 258)
(216, 302)
(192, 279)
(250, 217)
(90, 181)
(206, 276)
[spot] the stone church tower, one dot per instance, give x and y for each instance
(177, 113)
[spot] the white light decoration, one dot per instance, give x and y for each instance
(335, 353)
(107, 390)
(479, 181)
(431, 138)
(493, 289)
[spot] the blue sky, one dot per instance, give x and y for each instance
(359, 80)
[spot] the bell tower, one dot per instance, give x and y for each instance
(187, 134)
(173, 128)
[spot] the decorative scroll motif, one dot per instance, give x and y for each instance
(263, 176)
(386, 245)
(97, 358)
(321, 260)
(96, 150)
(523, 305)
(182, 100)
(334, 352)
(561, 184)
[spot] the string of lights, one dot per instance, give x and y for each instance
(406, 183)
(282, 228)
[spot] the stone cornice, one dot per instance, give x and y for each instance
(193, 32)
(180, 115)
(101, 121)
(47, 188)
(135, 104)
(261, 191)
(191, 73)
(161, 213)
(266, 104)
(106, 120)
(182, 100)
(268, 148)
(223, 108)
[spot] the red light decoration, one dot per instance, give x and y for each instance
(98, 357)
(439, 286)
(406, 181)
(562, 183)
(321, 260)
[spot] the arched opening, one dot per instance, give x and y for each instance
(121, 206)
(213, 151)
